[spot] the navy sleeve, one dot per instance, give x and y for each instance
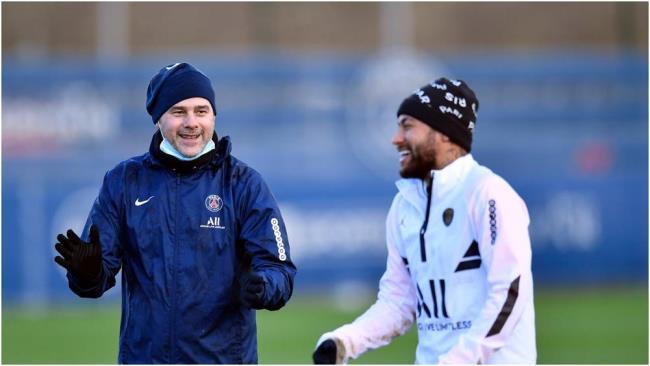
(264, 237)
(105, 214)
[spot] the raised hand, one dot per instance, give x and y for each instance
(82, 259)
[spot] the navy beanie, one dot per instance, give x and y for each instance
(174, 83)
(447, 106)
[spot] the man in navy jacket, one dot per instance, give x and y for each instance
(197, 233)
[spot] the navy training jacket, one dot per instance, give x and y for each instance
(182, 232)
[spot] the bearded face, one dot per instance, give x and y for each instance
(416, 161)
(416, 143)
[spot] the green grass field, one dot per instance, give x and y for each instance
(574, 326)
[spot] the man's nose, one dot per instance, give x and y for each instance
(398, 138)
(191, 121)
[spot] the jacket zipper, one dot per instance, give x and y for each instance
(173, 294)
(423, 230)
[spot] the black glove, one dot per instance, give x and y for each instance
(83, 260)
(251, 290)
(325, 353)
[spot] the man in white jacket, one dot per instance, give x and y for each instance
(459, 254)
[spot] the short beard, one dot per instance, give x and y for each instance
(416, 169)
(422, 162)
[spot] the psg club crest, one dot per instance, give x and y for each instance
(213, 203)
(448, 216)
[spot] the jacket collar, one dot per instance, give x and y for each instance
(213, 158)
(444, 180)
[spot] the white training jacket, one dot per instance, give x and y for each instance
(466, 281)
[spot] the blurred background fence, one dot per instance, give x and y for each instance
(308, 93)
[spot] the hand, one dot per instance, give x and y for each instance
(325, 353)
(251, 290)
(83, 260)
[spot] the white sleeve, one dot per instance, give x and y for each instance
(500, 220)
(390, 316)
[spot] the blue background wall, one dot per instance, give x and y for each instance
(568, 130)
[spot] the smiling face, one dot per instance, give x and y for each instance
(419, 147)
(188, 125)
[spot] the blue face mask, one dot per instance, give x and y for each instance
(167, 148)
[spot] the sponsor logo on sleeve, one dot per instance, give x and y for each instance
(493, 221)
(278, 239)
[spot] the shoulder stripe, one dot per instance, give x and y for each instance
(506, 310)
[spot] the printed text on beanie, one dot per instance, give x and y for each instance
(448, 106)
